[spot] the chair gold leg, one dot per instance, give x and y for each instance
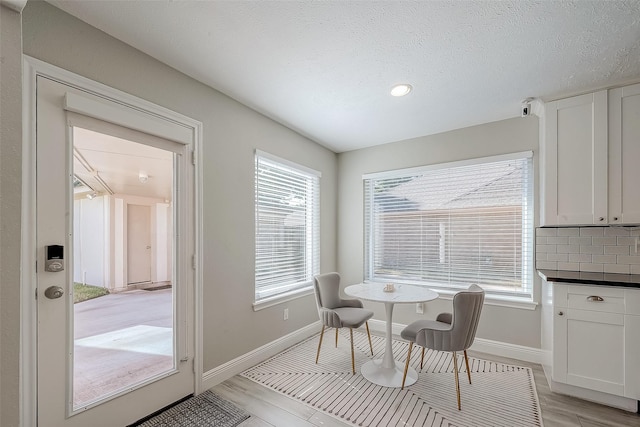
(466, 361)
(336, 337)
(353, 357)
(455, 371)
(422, 359)
(406, 365)
(319, 344)
(369, 335)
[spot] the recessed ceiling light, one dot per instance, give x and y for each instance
(401, 90)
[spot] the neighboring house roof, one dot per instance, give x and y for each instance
(452, 189)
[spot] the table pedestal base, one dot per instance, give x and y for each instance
(375, 372)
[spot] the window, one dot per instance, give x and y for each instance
(287, 226)
(447, 226)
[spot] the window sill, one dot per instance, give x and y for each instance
(279, 299)
(496, 300)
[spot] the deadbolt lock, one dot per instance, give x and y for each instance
(54, 292)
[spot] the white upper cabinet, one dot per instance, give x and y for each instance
(574, 161)
(590, 153)
(624, 155)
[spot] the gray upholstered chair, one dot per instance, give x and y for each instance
(336, 312)
(449, 332)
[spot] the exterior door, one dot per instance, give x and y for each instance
(138, 243)
(85, 348)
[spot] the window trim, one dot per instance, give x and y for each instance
(284, 297)
(307, 285)
(521, 303)
(447, 165)
(514, 300)
(289, 163)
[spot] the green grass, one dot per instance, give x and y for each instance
(84, 292)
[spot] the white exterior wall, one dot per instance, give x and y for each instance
(100, 236)
(162, 259)
(89, 243)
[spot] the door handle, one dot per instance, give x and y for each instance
(54, 292)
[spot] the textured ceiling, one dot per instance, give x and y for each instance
(325, 69)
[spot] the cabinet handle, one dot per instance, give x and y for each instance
(615, 218)
(560, 314)
(601, 219)
(595, 298)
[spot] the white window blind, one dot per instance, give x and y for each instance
(287, 226)
(452, 225)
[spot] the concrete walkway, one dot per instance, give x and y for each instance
(121, 340)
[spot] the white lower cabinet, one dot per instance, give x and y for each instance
(588, 352)
(596, 338)
(632, 356)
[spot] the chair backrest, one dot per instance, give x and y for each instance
(327, 290)
(467, 306)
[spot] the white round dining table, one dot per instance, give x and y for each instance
(387, 371)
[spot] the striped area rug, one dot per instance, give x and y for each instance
(501, 394)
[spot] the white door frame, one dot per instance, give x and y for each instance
(28, 323)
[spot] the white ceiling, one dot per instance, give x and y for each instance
(325, 69)
(119, 163)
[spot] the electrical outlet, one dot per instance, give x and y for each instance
(286, 314)
(420, 308)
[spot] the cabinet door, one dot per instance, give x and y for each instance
(624, 153)
(632, 343)
(632, 356)
(589, 350)
(575, 161)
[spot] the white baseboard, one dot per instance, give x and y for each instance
(497, 348)
(380, 326)
(233, 367)
(512, 351)
(241, 363)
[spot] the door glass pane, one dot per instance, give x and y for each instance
(123, 262)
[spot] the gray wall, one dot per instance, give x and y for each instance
(10, 210)
(231, 133)
(516, 326)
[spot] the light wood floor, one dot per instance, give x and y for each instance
(269, 408)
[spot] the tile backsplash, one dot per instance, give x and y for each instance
(596, 249)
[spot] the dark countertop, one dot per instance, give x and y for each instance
(587, 278)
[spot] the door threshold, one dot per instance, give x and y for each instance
(159, 411)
